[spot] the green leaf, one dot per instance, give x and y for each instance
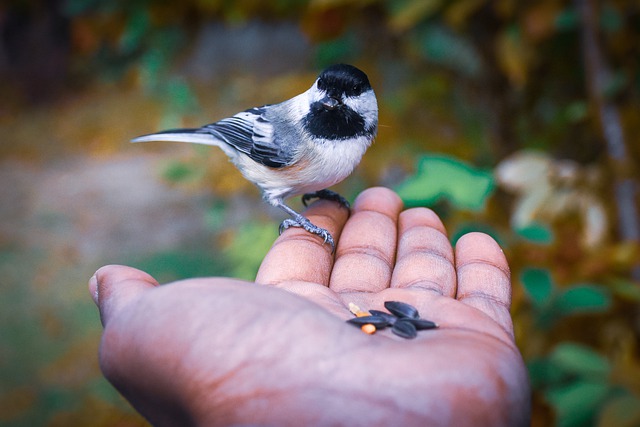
(579, 360)
(152, 64)
(536, 232)
(447, 49)
(576, 404)
(538, 286)
(577, 111)
(447, 178)
(543, 373)
(567, 20)
(583, 299)
(180, 95)
(135, 30)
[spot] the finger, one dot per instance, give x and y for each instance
(114, 286)
(366, 253)
(484, 280)
(425, 255)
(298, 255)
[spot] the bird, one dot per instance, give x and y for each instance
(300, 146)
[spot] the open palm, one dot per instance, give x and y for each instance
(218, 351)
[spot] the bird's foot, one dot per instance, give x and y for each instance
(303, 222)
(326, 195)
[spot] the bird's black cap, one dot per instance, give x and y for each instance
(343, 78)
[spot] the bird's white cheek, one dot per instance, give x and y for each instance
(298, 107)
(314, 95)
(366, 105)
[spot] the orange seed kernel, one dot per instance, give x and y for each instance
(368, 329)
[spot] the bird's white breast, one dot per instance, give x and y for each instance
(324, 163)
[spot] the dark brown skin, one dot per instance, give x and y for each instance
(219, 351)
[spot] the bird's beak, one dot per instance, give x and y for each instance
(331, 103)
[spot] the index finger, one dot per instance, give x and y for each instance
(298, 255)
(367, 251)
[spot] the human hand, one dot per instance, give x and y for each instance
(219, 351)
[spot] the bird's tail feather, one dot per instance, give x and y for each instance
(194, 136)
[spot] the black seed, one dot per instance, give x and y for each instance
(401, 309)
(404, 329)
(377, 321)
(390, 318)
(421, 324)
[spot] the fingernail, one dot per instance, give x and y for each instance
(93, 288)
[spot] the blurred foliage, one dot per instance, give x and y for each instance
(551, 304)
(439, 177)
(549, 190)
(576, 381)
(248, 247)
(485, 116)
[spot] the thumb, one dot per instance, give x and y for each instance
(113, 287)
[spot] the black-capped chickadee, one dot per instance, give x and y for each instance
(300, 146)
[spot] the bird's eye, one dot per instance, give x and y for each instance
(321, 84)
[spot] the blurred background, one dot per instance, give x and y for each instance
(516, 118)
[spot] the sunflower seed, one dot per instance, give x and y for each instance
(390, 318)
(404, 329)
(377, 321)
(421, 324)
(401, 309)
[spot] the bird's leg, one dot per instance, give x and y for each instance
(326, 195)
(298, 220)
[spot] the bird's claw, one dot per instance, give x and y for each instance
(311, 228)
(326, 195)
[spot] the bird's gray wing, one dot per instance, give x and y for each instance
(253, 134)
